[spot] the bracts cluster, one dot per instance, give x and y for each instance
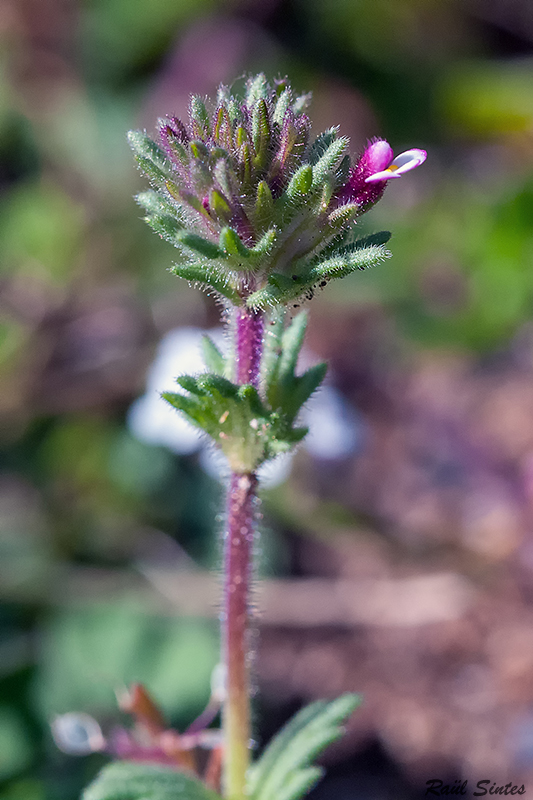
(259, 214)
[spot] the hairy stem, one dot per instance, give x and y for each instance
(238, 558)
(249, 345)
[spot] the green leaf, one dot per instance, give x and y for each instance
(373, 239)
(166, 226)
(282, 772)
(302, 103)
(291, 343)
(342, 173)
(343, 215)
(219, 205)
(300, 184)
(351, 260)
(304, 386)
(282, 104)
(190, 384)
(150, 157)
(321, 144)
(213, 358)
(257, 89)
(154, 203)
(180, 152)
(125, 780)
(188, 198)
(235, 417)
(201, 246)
(266, 242)
(272, 348)
(300, 783)
(279, 290)
(223, 132)
(200, 118)
(329, 161)
(286, 391)
(208, 277)
(280, 281)
(261, 134)
(264, 204)
(226, 178)
(190, 407)
(199, 151)
(266, 764)
(231, 244)
(217, 384)
(245, 157)
(249, 394)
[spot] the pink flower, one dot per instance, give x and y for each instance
(389, 167)
(374, 167)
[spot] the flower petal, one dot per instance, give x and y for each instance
(405, 162)
(377, 156)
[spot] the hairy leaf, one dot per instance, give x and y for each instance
(329, 161)
(300, 183)
(151, 158)
(304, 386)
(126, 780)
(282, 104)
(207, 277)
(321, 144)
(200, 117)
(202, 247)
(283, 769)
(231, 244)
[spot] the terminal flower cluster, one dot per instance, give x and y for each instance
(261, 215)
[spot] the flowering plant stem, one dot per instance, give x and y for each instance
(262, 217)
(238, 559)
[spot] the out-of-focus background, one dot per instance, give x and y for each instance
(397, 552)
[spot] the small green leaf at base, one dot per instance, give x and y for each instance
(300, 783)
(126, 780)
(284, 770)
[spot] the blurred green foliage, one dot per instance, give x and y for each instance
(91, 651)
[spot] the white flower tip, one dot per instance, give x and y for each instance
(405, 162)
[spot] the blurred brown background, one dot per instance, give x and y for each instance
(398, 562)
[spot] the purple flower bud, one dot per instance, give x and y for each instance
(377, 156)
(172, 131)
(174, 127)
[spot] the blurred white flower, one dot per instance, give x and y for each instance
(335, 427)
(150, 418)
(77, 734)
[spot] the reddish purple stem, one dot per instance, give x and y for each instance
(238, 556)
(249, 339)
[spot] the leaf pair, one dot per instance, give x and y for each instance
(248, 427)
(283, 772)
(247, 432)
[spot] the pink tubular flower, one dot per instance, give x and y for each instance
(374, 167)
